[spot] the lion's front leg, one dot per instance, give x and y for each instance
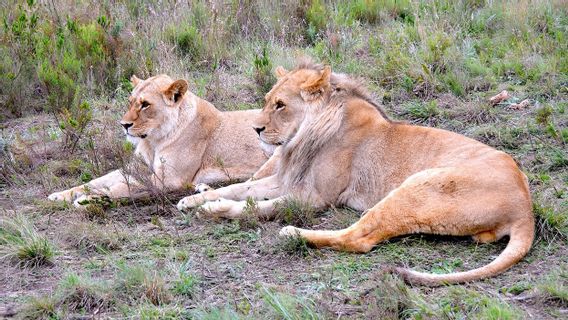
(231, 209)
(266, 188)
(99, 186)
(269, 168)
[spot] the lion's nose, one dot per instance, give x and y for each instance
(126, 125)
(259, 130)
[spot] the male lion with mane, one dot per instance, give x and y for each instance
(182, 138)
(339, 148)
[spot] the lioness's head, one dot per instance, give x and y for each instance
(153, 107)
(291, 98)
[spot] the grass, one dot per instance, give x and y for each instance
(64, 71)
(296, 212)
(288, 307)
(43, 307)
(80, 294)
(554, 288)
(21, 243)
(136, 283)
(294, 246)
(89, 237)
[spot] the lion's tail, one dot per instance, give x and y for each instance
(521, 238)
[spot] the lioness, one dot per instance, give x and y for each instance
(339, 148)
(182, 138)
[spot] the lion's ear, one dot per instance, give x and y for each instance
(176, 90)
(315, 85)
(135, 80)
(280, 72)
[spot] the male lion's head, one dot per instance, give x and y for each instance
(153, 107)
(290, 101)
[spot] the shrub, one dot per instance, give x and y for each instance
(263, 71)
(188, 41)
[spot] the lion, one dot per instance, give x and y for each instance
(182, 138)
(339, 148)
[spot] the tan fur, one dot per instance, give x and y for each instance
(183, 139)
(338, 148)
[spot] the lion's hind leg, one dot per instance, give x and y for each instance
(485, 237)
(437, 201)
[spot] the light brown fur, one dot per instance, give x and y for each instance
(183, 139)
(338, 148)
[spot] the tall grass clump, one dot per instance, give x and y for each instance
(83, 294)
(285, 306)
(296, 212)
(554, 287)
(42, 307)
(21, 243)
(136, 284)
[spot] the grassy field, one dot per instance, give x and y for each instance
(64, 70)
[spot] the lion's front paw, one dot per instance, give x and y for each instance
(196, 200)
(59, 196)
(67, 195)
(289, 231)
(190, 202)
(222, 208)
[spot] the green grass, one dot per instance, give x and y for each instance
(296, 212)
(21, 243)
(554, 288)
(82, 294)
(43, 307)
(294, 246)
(288, 307)
(186, 284)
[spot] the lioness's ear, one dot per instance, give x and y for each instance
(314, 86)
(176, 90)
(280, 72)
(134, 79)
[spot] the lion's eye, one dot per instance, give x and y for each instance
(280, 105)
(144, 105)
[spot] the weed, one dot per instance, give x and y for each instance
(554, 288)
(42, 307)
(188, 41)
(463, 303)
(296, 212)
(288, 307)
(316, 16)
(20, 242)
(135, 284)
(250, 218)
(90, 237)
(517, 288)
(389, 298)
(153, 312)
(263, 71)
(155, 290)
(294, 245)
(81, 294)
(225, 313)
(421, 111)
(550, 224)
(186, 284)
